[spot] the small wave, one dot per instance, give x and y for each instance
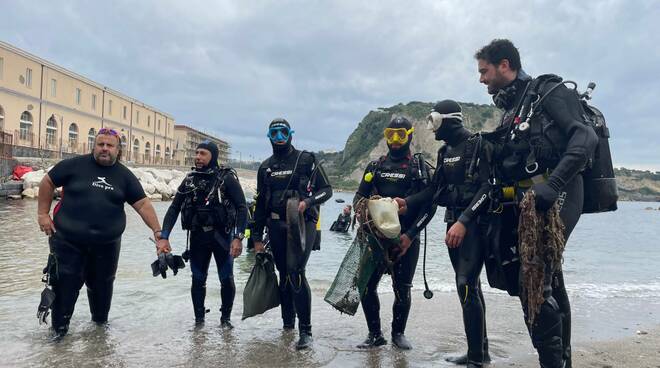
(581, 290)
(622, 290)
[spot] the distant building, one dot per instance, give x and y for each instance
(48, 111)
(186, 140)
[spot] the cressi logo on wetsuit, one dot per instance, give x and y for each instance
(395, 175)
(451, 160)
(281, 173)
(392, 175)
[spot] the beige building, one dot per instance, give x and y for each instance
(48, 111)
(186, 140)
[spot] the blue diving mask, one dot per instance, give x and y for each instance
(279, 134)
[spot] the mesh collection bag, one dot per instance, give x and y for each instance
(366, 254)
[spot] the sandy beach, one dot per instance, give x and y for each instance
(151, 321)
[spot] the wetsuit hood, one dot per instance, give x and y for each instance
(451, 129)
(213, 148)
(281, 149)
(404, 150)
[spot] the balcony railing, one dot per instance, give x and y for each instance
(6, 145)
(24, 138)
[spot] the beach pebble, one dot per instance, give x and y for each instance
(30, 193)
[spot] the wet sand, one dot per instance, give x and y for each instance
(159, 334)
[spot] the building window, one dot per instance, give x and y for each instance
(109, 107)
(28, 78)
(136, 149)
(25, 131)
(148, 121)
(73, 135)
(157, 150)
(51, 131)
(53, 87)
(147, 149)
(2, 118)
(167, 152)
(123, 143)
(137, 118)
(159, 125)
(91, 138)
(125, 110)
(2, 67)
(94, 102)
(78, 95)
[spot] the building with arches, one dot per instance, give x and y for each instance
(186, 140)
(49, 111)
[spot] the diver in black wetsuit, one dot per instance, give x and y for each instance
(343, 221)
(87, 225)
(547, 156)
(460, 184)
(290, 173)
(212, 206)
(398, 174)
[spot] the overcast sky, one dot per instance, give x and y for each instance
(229, 67)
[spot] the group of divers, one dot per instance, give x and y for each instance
(543, 145)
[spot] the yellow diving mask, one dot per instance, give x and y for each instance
(397, 135)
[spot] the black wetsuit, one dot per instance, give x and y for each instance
(460, 184)
(285, 175)
(342, 224)
(394, 177)
(89, 221)
(212, 221)
(560, 154)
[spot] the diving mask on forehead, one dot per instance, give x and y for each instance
(434, 119)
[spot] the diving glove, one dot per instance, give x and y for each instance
(545, 195)
(165, 261)
(47, 299)
(174, 262)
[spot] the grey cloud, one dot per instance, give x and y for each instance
(232, 66)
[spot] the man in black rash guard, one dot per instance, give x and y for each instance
(87, 224)
(460, 184)
(549, 163)
(212, 206)
(290, 173)
(398, 174)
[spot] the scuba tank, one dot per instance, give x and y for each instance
(600, 190)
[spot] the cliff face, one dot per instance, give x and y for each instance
(367, 143)
(637, 185)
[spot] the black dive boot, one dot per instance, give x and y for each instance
(463, 359)
(198, 293)
(305, 339)
(400, 341)
(227, 293)
(373, 340)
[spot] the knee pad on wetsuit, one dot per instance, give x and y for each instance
(199, 281)
(227, 270)
(402, 292)
(546, 330)
(227, 282)
(297, 281)
(467, 292)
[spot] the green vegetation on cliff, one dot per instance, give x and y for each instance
(364, 141)
(369, 132)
